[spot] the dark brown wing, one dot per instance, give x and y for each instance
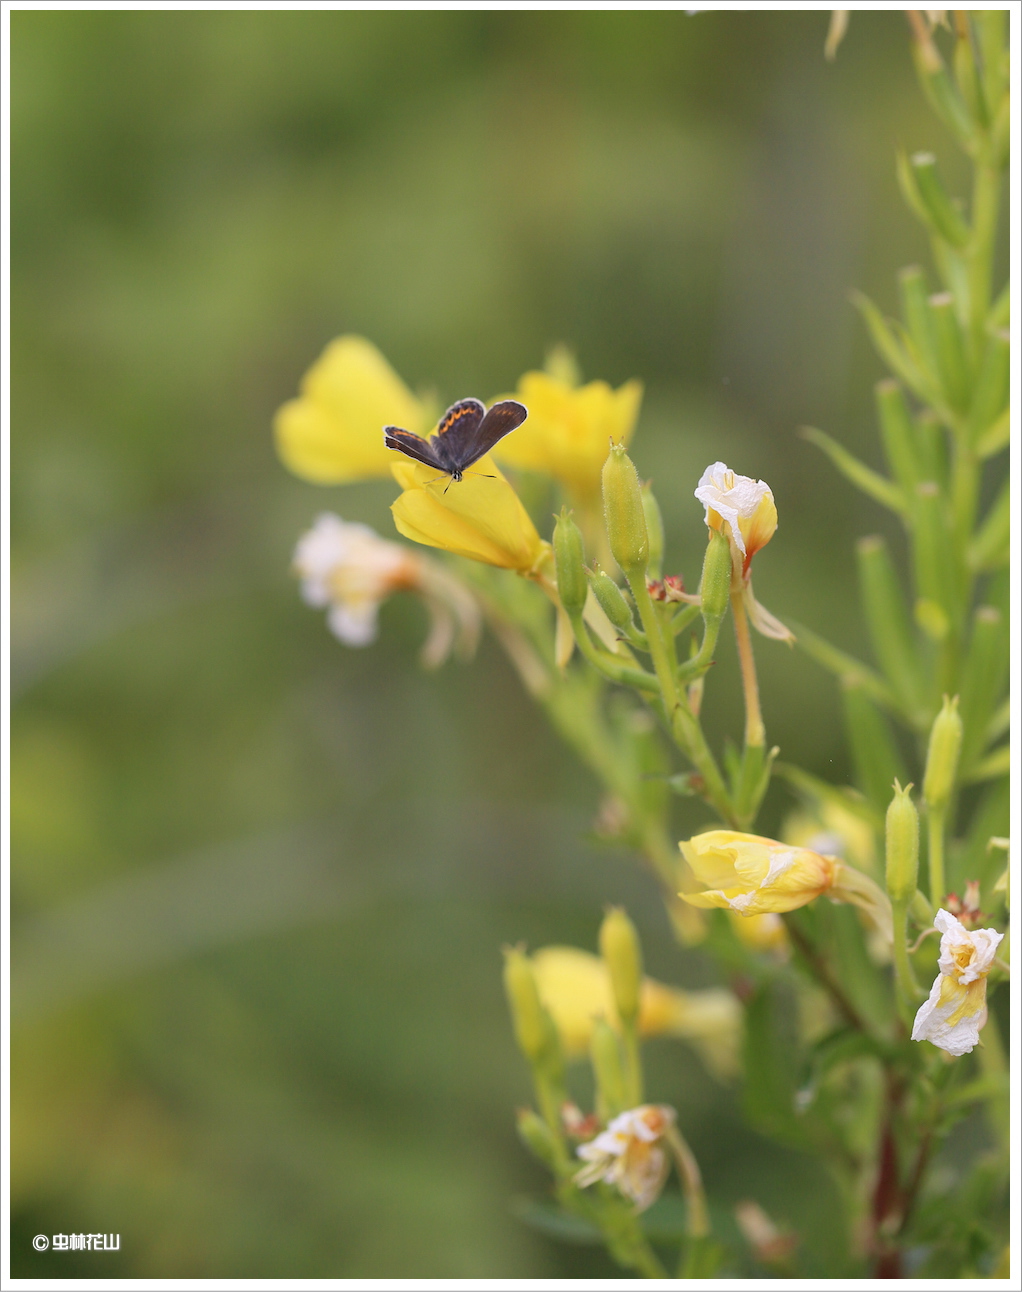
(412, 445)
(453, 441)
(501, 420)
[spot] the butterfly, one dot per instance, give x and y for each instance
(466, 433)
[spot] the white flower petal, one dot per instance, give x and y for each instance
(731, 496)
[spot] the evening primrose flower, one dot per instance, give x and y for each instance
(956, 1010)
(570, 429)
(480, 516)
(349, 569)
(754, 875)
(630, 1154)
(331, 433)
(575, 987)
(743, 510)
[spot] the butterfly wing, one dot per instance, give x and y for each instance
(412, 446)
(501, 420)
(453, 439)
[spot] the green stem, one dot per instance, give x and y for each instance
(698, 1216)
(755, 733)
(703, 658)
(935, 834)
(633, 1064)
(907, 988)
(684, 726)
(607, 665)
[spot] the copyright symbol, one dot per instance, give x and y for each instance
(40, 1242)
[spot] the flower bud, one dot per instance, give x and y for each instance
(715, 587)
(624, 512)
(654, 531)
(529, 1017)
(569, 556)
(608, 1072)
(537, 1137)
(942, 757)
(612, 603)
(902, 846)
(619, 946)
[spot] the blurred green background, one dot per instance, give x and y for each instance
(260, 880)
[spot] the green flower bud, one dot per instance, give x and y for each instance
(624, 513)
(654, 531)
(611, 600)
(942, 757)
(608, 1070)
(527, 1013)
(569, 557)
(537, 1137)
(622, 954)
(715, 588)
(902, 846)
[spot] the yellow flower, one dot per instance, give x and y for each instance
(575, 987)
(480, 516)
(570, 429)
(956, 1010)
(754, 875)
(333, 432)
(629, 1154)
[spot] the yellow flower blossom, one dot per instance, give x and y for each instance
(480, 517)
(956, 1010)
(575, 987)
(630, 1155)
(754, 875)
(331, 434)
(570, 429)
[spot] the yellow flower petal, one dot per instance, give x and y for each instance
(480, 517)
(570, 429)
(753, 875)
(333, 432)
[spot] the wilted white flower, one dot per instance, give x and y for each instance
(956, 1010)
(630, 1154)
(743, 510)
(348, 568)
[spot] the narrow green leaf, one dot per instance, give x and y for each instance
(863, 477)
(888, 622)
(938, 211)
(951, 365)
(846, 667)
(915, 308)
(989, 547)
(891, 350)
(990, 396)
(996, 438)
(993, 765)
(936, 566)
(983, 679)
(875, 757)
(771, 1065)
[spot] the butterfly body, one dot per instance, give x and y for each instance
(466, 433)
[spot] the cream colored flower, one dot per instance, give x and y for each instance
(956, 1010)
(349, 569)
(743, 510)
(630, 1154)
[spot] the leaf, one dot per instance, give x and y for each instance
(555, 1222)
(771, 1065)
(871, 482)
(848, 667)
